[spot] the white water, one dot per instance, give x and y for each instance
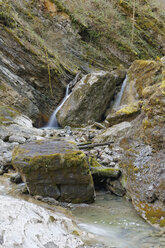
(53, 123)
(120, 94)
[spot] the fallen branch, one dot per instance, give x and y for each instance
(82, 146)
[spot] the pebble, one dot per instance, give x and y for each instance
(112, 164)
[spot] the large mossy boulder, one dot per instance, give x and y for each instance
(89, 99)
(56, 169)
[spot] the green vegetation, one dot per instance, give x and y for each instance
(98, 33)
(111, 22)
(152, 214)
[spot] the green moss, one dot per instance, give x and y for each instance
(152, 214)
(18, 151)
(162, 222)
(129, 110)
(76, 233)
(76, 159)
(146, 124)
(105, 172)
(93, 162)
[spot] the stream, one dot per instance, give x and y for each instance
(116, 223)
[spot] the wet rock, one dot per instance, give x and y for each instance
(16, 178)
(89, 99)
(115, 187)
(24, 190)
(55, 169)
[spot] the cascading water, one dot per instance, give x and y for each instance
(53, 123)
(120, 94)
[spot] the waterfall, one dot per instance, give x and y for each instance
(53, 123)
(120, 94)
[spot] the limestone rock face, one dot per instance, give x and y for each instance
(56, 169)
(89, 99)
(143, 163)
(34, 226)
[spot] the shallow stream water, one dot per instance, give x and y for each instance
(115, 223)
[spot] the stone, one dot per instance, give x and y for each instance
(15, 138)
(98, 170)
(24, 121)
(89, 99)
(105, 172)
(115, 187)
(112, 164)
(113, 133)
(16, 178)
(7, 157)
(98, 125)
(125, 113)
(4, 133)
(50, 200)
(55, 168)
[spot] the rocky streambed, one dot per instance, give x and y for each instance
(123, 155)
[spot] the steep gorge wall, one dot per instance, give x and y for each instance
(44, 43)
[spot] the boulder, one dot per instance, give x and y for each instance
(113, 133)
(89, 99)
(125, 113)
(55, 168)
(115, 187)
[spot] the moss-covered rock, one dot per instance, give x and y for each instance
(143, 162)
(104, 172)
(125, 113)
(56, 169)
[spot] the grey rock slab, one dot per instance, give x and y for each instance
(114, 133)
(24, 121)
(27, 225)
